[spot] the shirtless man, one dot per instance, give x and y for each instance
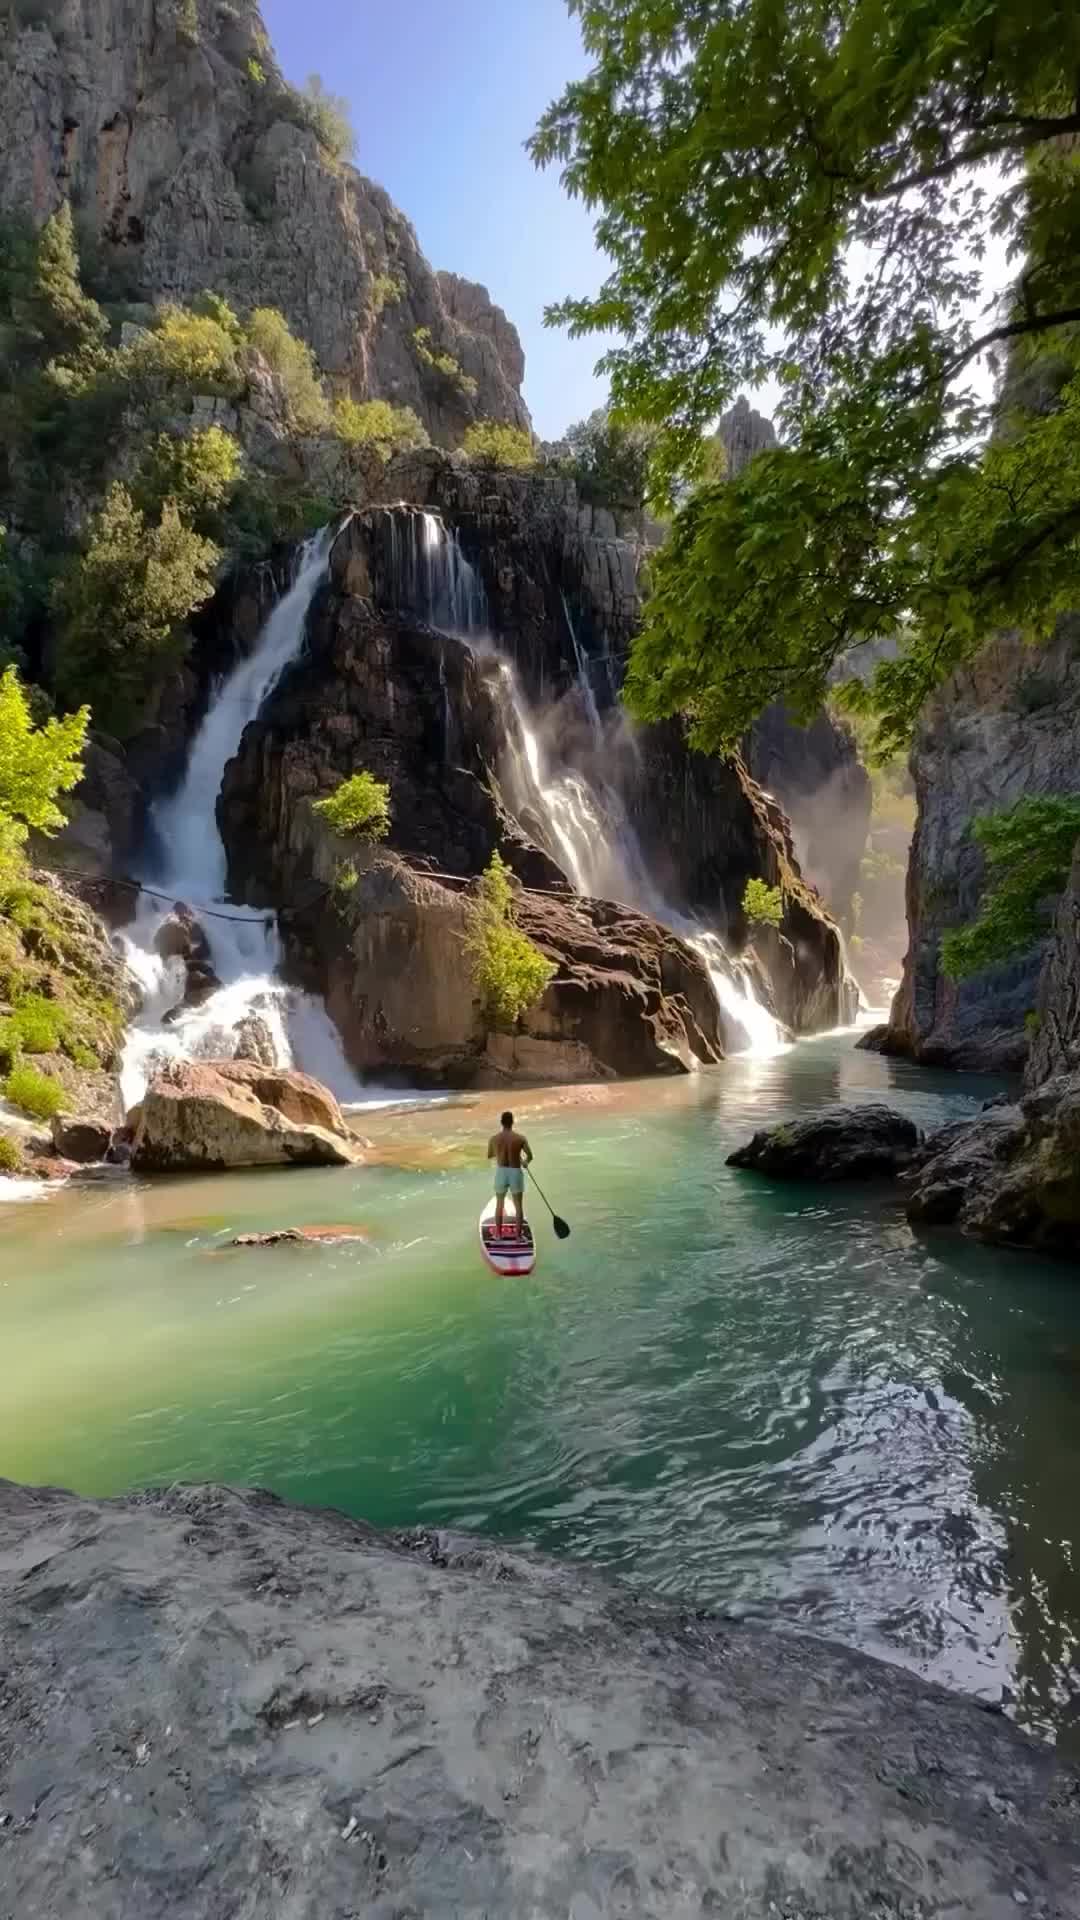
(511, 1153)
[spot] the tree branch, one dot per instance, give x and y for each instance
(1025, 134)
(1009, 330)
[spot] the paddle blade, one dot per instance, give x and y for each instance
(562, 1231)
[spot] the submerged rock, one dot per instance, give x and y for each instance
(839, 1143)
(201, 1117)
(300, 1237)
(212, 1695)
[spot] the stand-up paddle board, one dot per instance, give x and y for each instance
(512, 1253)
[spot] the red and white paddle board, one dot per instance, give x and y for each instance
(511, 1254)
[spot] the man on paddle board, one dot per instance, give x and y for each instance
(511, 1153)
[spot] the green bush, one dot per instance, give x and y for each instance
(199, 473)
(326, 115)
(294, 363)
(509, 972)
(34, 1093)
(196, 352)
(37, 763)
(763, 905)
(375, 423)
(431, 356)
(1028, 850)
(10, 1155)
(493, 444)
(121, 606)
(385, 290)
(360, 806)
(35, 1025)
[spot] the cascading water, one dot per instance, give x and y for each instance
(189, 866)
(584, 820)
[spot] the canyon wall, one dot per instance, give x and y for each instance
(189, 166)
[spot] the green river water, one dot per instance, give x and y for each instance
(774, 1400)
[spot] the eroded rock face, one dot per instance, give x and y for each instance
(170, 129)
(1055, 1042)
(274, 1687)
(1011, 1176)
(204, 1117)
(83, 1140)
(840, 1143)
(1003, 728)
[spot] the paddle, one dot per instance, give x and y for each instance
(562, 1230)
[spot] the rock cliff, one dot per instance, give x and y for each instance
(190, 164)
(1007, 726)
(217, 1705)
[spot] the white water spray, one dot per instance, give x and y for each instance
(584, 822)
(191, 867)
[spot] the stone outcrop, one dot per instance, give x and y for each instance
(210, 1116)
(1011, 1176)
(182, 937)
(82, 1140)
(839, 1143)
(189, 166)
(743, 432)
(215, 1704)
(1004, 727)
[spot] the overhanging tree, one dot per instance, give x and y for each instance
(806, 192)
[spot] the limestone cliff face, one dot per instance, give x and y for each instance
(1055, 1046)
(1007, 726)
(168, 125)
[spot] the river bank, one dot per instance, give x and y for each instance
(285, 1712)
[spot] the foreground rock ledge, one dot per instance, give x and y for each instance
(215, 1705)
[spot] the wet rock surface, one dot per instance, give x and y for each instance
(216, 1704)
(1011, 1176)
(840, 1143)
(81, 1139)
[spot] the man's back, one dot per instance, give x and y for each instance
(507, 1147)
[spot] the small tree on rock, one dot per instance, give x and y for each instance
(763, 905)
(509, 971)
(358, 809)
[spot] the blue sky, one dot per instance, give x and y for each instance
(443, 94)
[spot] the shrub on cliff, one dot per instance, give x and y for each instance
(294, 363)
(10, 1155)
(608, 461)
(37, 763)
(763, 905)
(1028, 850)
(121, 605)
(490, 443)
(509, 972)
(375, 423)
(35, 1093)
(359, 807)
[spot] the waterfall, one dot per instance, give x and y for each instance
(189, 865)
(583, 820)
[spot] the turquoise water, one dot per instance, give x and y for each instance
(777, 1400)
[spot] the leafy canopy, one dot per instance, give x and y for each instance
(1028, 849)
(360, 806)
(294, 363)
(491, 443)
(375, 423)
(509, 972)
(609, 461)
(121, 605)
(36, 764)
(805, 193)
(763, 905)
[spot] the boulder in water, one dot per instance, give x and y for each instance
(202, 1117)
(300, 1237)
(1011, 1175)
(839, 1143)
(81, 1138)
(181, 937)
